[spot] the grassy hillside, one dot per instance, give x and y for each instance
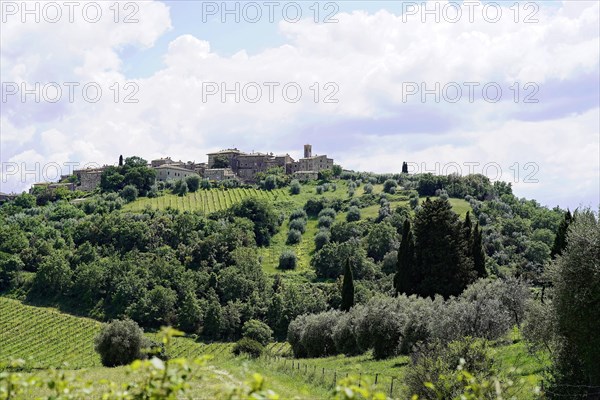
(208, 201)
(45, 337)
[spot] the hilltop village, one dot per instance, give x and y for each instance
(220, 166)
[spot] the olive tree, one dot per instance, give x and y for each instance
(119, 343)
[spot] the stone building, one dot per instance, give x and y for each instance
(88, 179)
(230, 155)
(166, 172)
(52, 186)
(219, 174)
(314, 163)
(304, 176)
(161, 161)
(7, 196)
(247, 165)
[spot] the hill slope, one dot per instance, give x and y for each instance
(208, 201)
(45, 337)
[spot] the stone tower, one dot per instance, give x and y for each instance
(307, 151)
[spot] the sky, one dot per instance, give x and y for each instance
(508, 89)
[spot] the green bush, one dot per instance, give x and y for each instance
(353, 214)
(249, 347)
(258, 331)
(298, 214)
(327, 212)
(262, 214)
(312, 335)
(295, 187)
(193, 182)
(129, 193)
(298, 224)
(180, 187)
(294, 236)
(389, 186)
(321, 239)
(437, 365)
(119, 343)
(314, 205)
(287, 260)
(325, 222)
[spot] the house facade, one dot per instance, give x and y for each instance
(167, 172)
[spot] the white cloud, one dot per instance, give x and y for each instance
(368, 56)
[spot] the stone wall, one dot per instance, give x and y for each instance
(89, 179)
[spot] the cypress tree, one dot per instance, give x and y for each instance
(404, 277)
(560, 241)
(477, 253)
(347, 289)
(120, 160)
(442, 265)
(404, 167)
(468, 234)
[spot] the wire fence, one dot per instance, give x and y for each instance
(330, 377)
(277, 356)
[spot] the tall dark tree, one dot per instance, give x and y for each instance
(405, 273)
(441, 260)
(347, 288)
(404, 167)
(468, 234)
(120, 160)
(478, 253)
(468, 225)
(560, 241)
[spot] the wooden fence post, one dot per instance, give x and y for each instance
(391, 386)
(376, 376)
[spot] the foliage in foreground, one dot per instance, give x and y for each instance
(156, 379)
(567, 322)
(172, 379)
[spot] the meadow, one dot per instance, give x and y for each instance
(47, 338)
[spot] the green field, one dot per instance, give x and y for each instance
(46, 338)
(205, 201)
